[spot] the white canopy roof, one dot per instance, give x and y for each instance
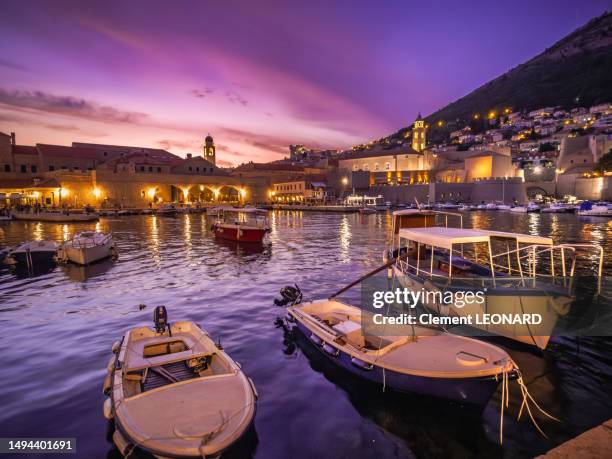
(446, 237)
(413, 211)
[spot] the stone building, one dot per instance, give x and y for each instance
(117, 176)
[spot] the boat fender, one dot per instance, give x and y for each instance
(116, 347)
(106, 387)
(361, 364)
(107, 409)
(331, 350)
(254, 388)
(315, 339)
(111, 364)
(240, 233)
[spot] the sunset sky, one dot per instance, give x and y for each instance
(257, 75)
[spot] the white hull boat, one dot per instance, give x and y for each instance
(428, 362)
(173, 392)
(88, 247)
(588, 209)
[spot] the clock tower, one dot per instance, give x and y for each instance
(209, 149)
(418, 134)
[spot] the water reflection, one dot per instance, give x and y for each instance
(71, 316)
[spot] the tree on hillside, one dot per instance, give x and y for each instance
(605, 162)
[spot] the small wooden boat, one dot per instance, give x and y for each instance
(242, 225)
(88, 247)
(32, 254)
(173, 392)
(430, 362)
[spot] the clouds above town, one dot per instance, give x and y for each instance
(258, 76)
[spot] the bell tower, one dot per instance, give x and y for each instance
(209, 149)
(418, 134)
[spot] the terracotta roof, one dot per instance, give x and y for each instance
(485, 153)
(24, 150)
(63, 151)
(268, 167)
(47, 183)
(15, 183)
(126, 150)
(376, 152)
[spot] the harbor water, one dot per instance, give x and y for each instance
(57, 328)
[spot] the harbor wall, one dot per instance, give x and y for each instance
(474, 192)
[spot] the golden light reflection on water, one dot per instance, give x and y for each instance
(187, 233)
(65, 233)
(345, 239)
(37, 234)
(154, 238)
(533, 223)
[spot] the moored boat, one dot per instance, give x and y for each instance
(242, 225)
(531, 207)
(33, 254)
(167, 210)
(428, 362)
(173, 392)
(367, 210)
(88, 247)
(58, 216)
(510, 270)
(588, 209)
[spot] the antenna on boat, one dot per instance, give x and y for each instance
(160, 319)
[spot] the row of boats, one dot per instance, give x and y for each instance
(173, 392)
(83, 249)
(586, 208)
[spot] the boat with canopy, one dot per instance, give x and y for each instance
(520, 273)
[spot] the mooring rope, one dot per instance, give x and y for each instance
(524, 404)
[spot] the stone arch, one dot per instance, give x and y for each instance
(229, 193)
(532, 191)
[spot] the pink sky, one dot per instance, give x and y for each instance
(256, 75)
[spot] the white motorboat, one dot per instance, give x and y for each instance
(588, 209)
(503, 207)
(173, 392)
(88, 247)
(557, 208)
(531, 207)
(491, 206)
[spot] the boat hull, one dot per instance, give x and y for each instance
(38, 257)
(476, 391)
(550, 307)
(240, 234)
(55, 217)
(88, 255)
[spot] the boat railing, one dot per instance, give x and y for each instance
(82, 242)
(526, 262)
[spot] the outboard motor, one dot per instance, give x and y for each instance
(160, 319)
(289, 295)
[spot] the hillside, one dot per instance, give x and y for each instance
(577, 70)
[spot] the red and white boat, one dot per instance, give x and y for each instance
(243, 225)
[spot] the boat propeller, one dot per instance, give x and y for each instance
(290, 295)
